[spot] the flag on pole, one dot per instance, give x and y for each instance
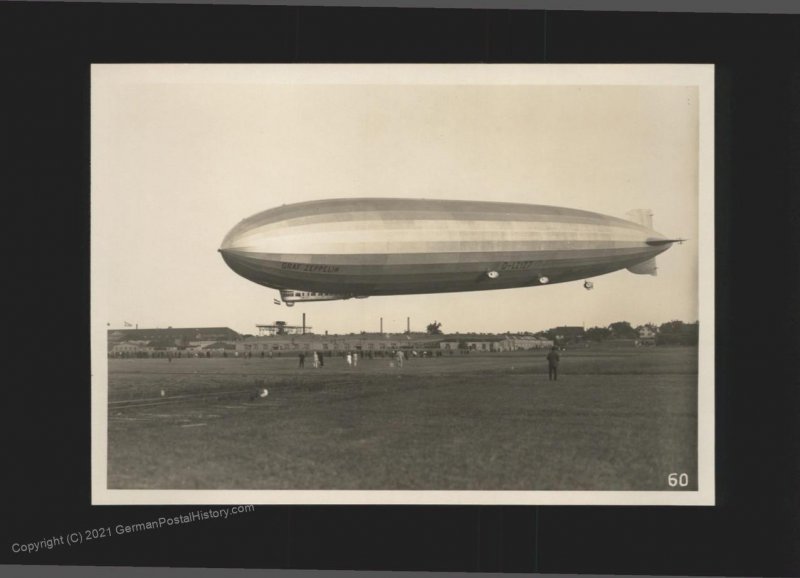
(128, 324)
(276, 302)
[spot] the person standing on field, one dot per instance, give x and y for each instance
(552, 363)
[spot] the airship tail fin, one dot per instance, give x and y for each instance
(645, 267)
(643, 217)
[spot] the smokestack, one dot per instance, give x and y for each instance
(304, 323)
(381, 325)
(408, 325)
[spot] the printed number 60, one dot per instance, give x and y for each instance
(681, 480)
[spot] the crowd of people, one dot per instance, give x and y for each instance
(317, 358)
(397, 358)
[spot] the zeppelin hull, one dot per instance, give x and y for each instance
(390, 247)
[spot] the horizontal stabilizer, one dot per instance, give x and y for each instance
(657, 242)
(645, 267)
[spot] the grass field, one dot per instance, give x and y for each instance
(617, 419)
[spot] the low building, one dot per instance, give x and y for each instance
(647, 337)
(567, 334)
(485, 344)
(131, 348)
(335, 344)
(221, 346)
(495, 343)
(526, 342)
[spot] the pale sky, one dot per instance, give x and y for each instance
(180, 154)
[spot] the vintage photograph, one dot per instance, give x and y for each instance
(402, 284)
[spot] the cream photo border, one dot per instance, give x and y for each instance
(701, 76)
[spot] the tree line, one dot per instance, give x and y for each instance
(669, 333)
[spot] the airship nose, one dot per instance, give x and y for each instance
(230, 241)
(241, 238)
(235, 255)
(233, 258)
(237, 249)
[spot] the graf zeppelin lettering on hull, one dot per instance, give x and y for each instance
(344, 248)
(310, 268)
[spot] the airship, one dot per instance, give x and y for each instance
(360, 247)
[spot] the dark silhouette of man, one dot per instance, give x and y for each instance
(552, 363)
(302, 360)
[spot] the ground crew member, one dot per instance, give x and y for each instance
(552, 363)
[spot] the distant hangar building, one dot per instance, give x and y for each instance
(280, 338)
(122, 342)
(185, 334)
